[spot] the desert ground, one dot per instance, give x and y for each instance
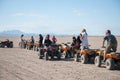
(23, 64)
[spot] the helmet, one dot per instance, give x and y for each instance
(108, 32)
(83, 30)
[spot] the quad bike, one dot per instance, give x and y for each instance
(65, 49)
(86, 55)
(50, 51)
(112, 59)
(36, 46)
(23, 44)
(7, 43)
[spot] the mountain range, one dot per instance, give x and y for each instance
(15, 33)
(18, 33)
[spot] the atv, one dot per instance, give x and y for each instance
(52, 51)
(7, 43)
(112, 59)
(87, 55)
(36, 46)
(49, 51)
(65, 49)
(23, 44)
(29, 45)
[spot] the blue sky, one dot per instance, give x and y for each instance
(60, 16)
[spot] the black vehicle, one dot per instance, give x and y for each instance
(8, 44)
(51, 51)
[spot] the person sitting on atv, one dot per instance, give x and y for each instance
(40, 40)
(21, 38)
(111, 43)
(54, 40)
(74, 41)
(32, 40)
(47, 41)
(78, 42)
(84, 39)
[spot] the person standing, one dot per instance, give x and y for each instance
(84, 39)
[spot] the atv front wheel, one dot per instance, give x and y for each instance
(110, 64)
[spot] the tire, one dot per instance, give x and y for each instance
(110, 64)
(46, 56)
(84, 59)
(11, 45)
(97, 61)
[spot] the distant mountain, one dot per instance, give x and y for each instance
(18, 33)
(14, 33)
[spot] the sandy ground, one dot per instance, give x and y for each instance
(22, 64)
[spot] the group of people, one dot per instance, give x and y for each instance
(82, 40)
(47, 40)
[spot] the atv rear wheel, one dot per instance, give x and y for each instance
(84, 59)
(110, 64)
(97, 61)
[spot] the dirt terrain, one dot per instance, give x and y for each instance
(23, 64)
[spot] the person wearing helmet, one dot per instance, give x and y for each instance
(47, 41)
(54, 40)
(111, 43)
(40, 40)
(84, 39)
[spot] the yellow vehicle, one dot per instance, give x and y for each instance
(112, 59)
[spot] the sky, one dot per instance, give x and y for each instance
(60, 16)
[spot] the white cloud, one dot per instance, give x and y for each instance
(78, 13)
(29, 15)
(18, 14)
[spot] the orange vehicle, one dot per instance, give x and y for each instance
(23, 44)
(29, 45)
(112, 59)
(65, 49)
(87, 55)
